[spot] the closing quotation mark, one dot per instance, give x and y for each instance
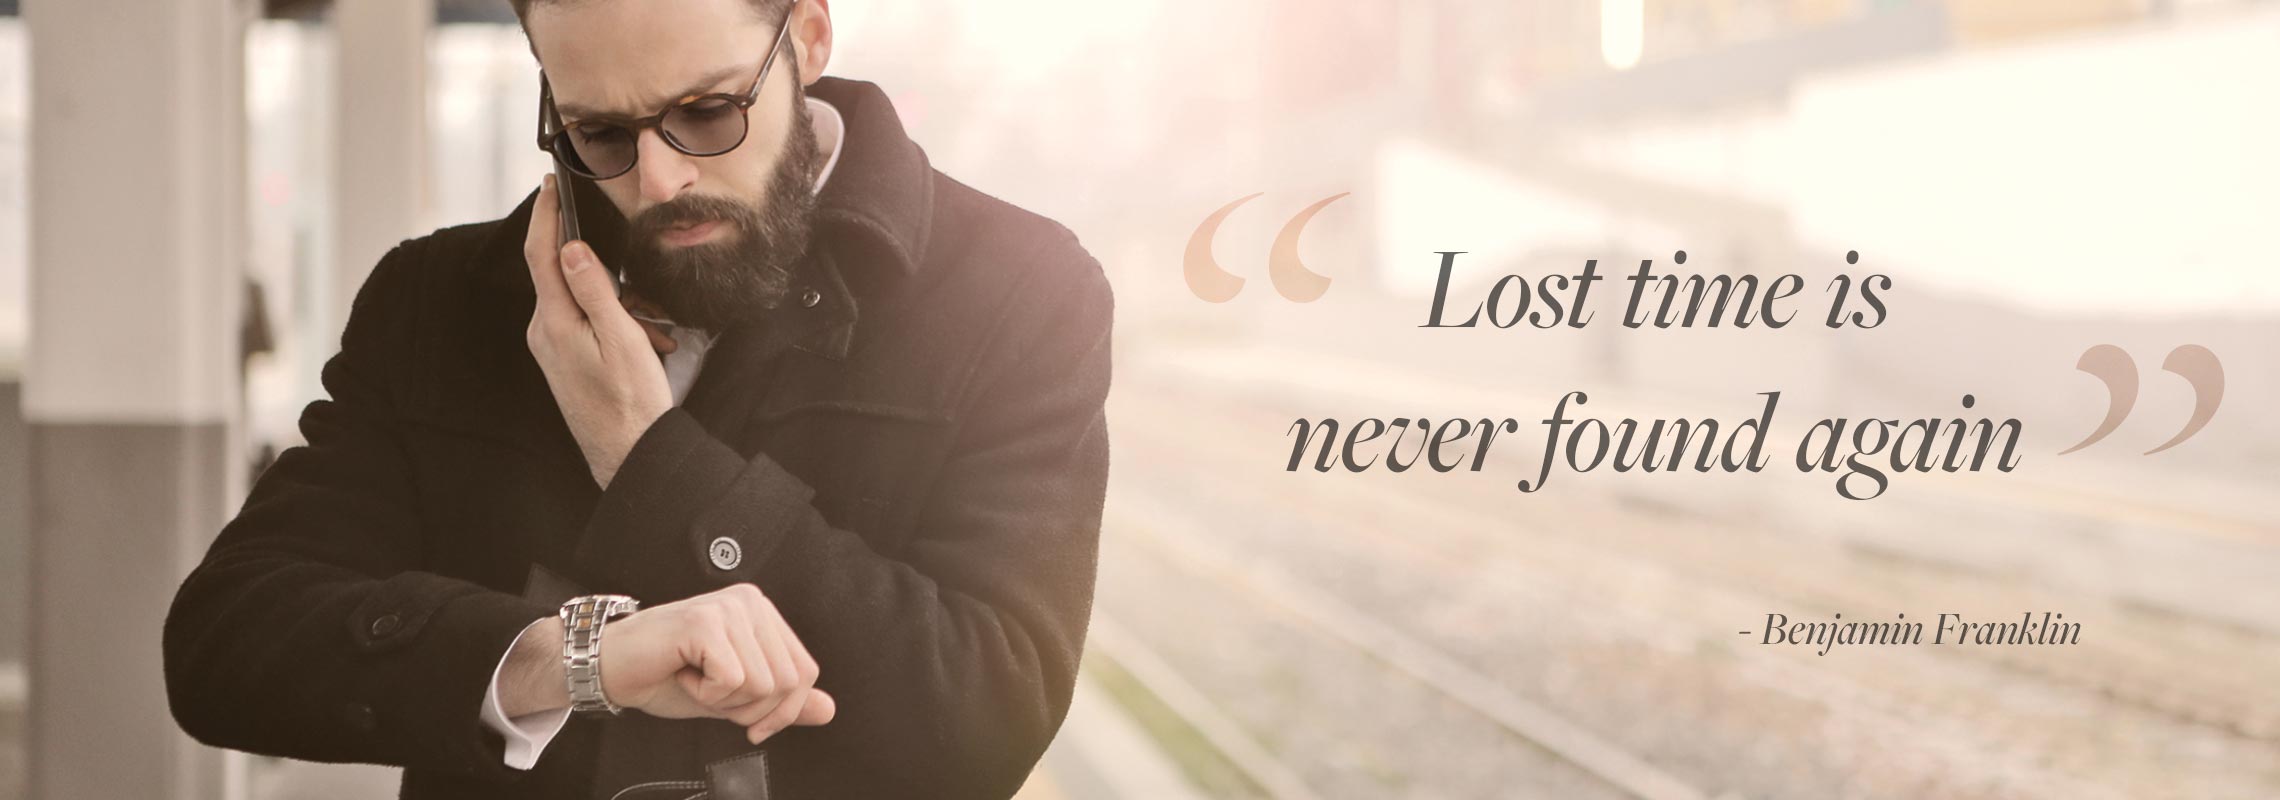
(1291, 278)
(2113, 366)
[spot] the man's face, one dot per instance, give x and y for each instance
(712, 239)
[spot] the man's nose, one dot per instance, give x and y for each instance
(665, 172)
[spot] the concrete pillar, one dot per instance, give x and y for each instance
(380, 130)
(131, 374)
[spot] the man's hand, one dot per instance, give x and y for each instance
(722, 655)
(601, 363)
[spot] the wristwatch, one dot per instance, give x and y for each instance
(582, 622)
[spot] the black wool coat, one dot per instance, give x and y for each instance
(913, 469)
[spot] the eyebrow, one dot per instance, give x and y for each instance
(701, 86)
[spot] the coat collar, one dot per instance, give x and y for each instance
(882, 192)
(875, 213)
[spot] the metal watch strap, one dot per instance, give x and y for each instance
(582, 621)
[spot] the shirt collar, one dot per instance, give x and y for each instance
(830, 133)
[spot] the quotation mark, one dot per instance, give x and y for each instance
(2113, 366)
(1291, 278)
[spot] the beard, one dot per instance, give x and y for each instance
(719, 284)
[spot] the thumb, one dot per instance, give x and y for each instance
(820, 709)
(594, 287)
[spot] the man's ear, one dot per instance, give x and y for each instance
(811, 39)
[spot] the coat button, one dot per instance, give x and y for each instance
(387, 625)
(809, 298)
(726, 553)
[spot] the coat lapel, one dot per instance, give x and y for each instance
(737, 376)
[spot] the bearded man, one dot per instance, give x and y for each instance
(784, 479)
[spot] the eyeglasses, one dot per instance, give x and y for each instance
(704, 125)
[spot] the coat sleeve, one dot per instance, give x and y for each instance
(953, 664)
(310, 630)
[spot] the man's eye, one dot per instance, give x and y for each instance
(707, 110)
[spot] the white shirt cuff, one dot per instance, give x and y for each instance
(526, 735)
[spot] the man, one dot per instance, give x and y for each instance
(845, 469)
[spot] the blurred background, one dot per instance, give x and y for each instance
(190, 192)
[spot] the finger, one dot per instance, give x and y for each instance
(798, 667)
(658, 339)
(591, 285)
(749, 714)
(817, 707)
(777, 719)
(646, 312)
(759, 685)
(721, 670)
(777, 641)
(595, 292)
(638, 305)
(541, 255)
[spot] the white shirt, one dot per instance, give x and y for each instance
(528, 735)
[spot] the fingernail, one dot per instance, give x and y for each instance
(576, 258)
(546, 181)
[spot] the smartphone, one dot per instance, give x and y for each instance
(566, 202)
(569, 225)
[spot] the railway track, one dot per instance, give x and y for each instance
(1452, 678)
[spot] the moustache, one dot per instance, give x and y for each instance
(688, 211)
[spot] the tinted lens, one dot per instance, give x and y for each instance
(706, 127)
(602, 150)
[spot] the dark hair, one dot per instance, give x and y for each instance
(768, 9)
